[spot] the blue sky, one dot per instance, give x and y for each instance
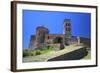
(53, 20)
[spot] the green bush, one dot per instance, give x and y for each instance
(26, 53)
(42, 51)
(37, 52)
(47, 49)
(50, 47)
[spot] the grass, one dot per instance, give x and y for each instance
(48, 52)
(45, 50)
(38, 51)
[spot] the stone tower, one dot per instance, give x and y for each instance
(41, 33)
(67, 30)
(32, 44)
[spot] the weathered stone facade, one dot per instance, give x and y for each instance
(43, 38)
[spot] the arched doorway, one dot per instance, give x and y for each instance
(58, 40)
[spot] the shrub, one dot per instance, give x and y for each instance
(26, 53)
(50, 47)
(42, 51)
(38, 52)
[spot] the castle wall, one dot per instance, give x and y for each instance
(50, 37)
(43, 38)
(32, 43)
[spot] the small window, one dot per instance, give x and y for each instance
(67, 24)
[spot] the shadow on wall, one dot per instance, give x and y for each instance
(74, 55)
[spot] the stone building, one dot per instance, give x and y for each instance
(43, 38)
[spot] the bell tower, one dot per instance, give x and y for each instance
(67, 30)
